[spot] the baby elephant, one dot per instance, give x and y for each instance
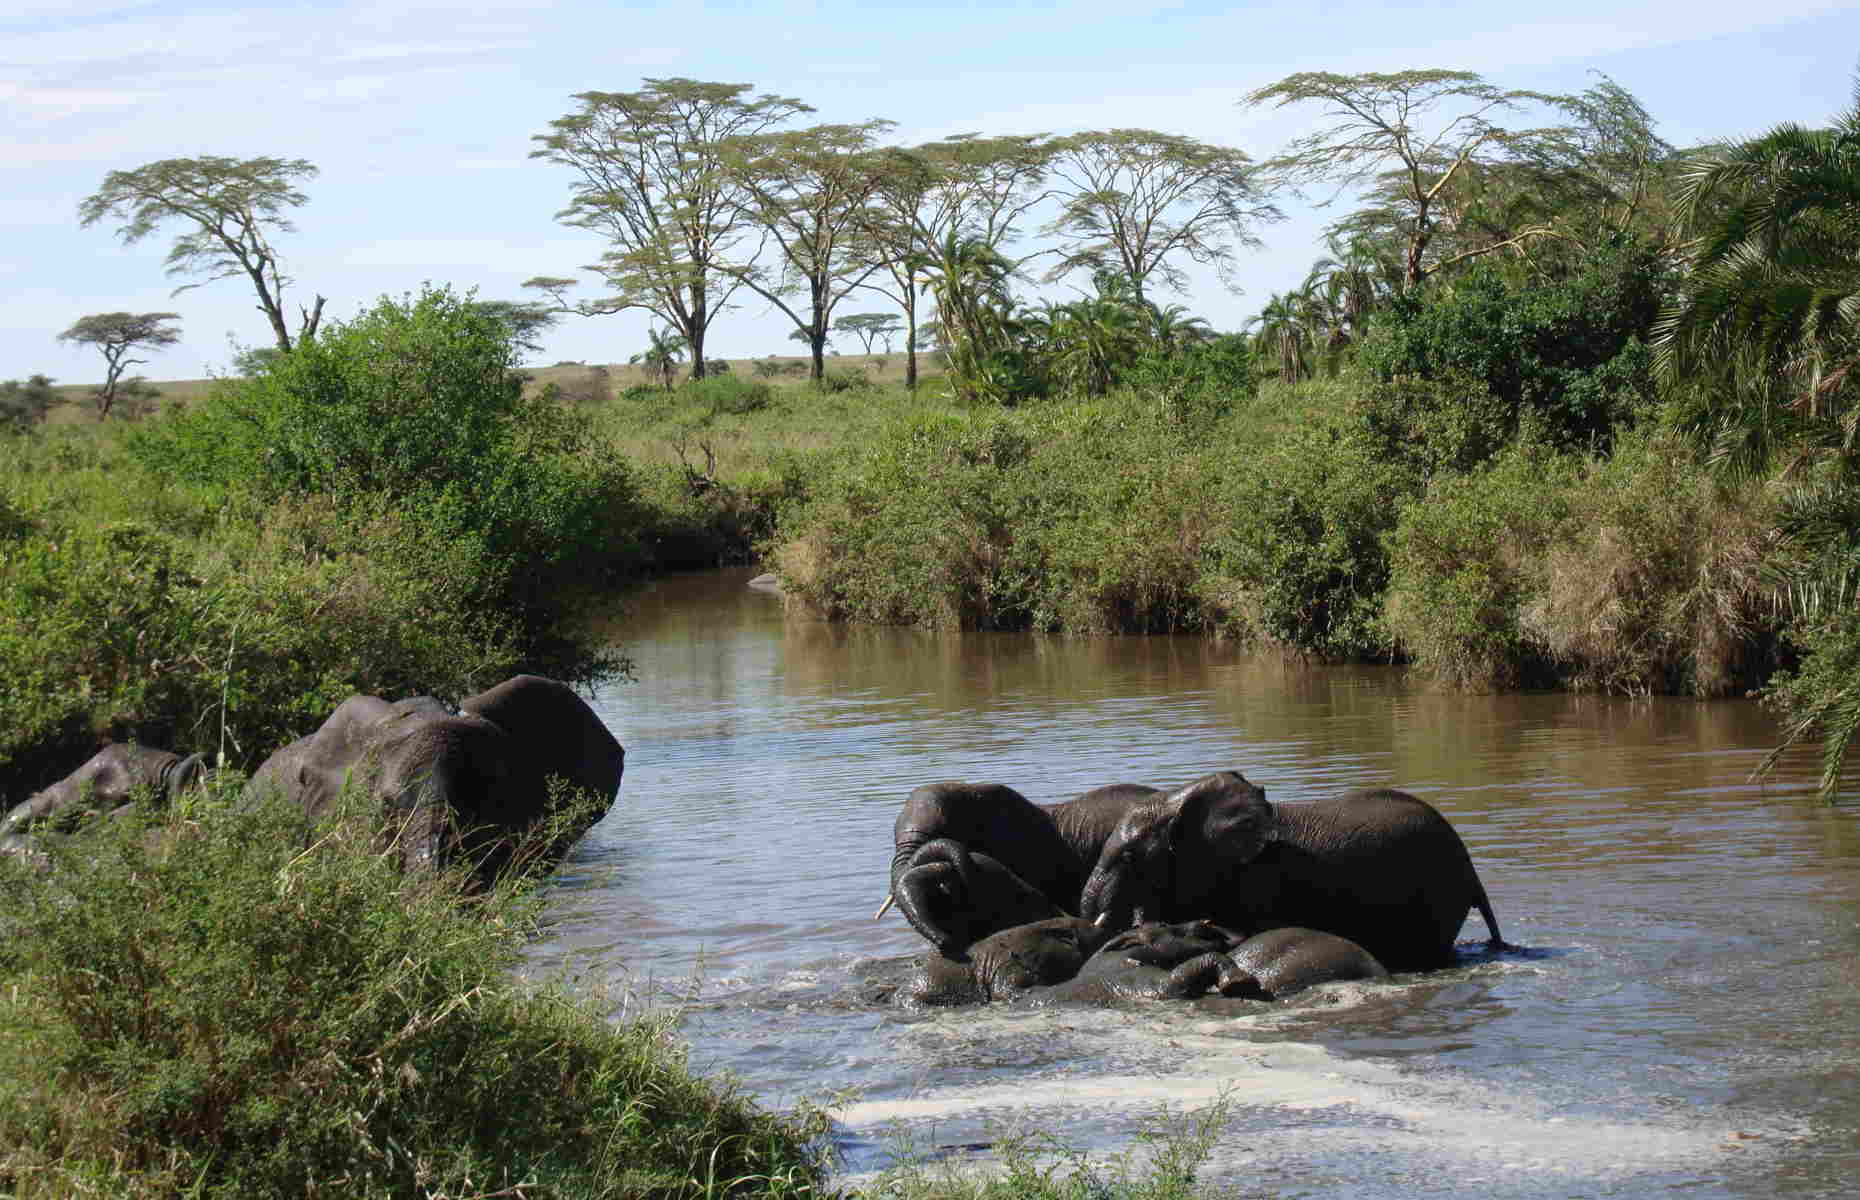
(1274, 964)
(956, 896)
(1192, 958)
(1006, 964)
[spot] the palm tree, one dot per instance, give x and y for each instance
(1760, 346)
(1765, 332)
(1281, 331)
(662, 357)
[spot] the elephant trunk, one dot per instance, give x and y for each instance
(938, 873)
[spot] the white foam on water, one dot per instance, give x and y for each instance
(1300, 1114)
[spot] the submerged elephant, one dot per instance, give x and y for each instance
(1280, 962)
(1005, 964)
(1152, 961)
(1381, 868)
(1049, 847)
(105, 783)
(467, 783)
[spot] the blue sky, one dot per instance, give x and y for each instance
(420, 118)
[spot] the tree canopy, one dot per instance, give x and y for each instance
(116, 335)
(232, 205)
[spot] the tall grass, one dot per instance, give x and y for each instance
(229, 1001)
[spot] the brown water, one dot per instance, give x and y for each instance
(1683, 1017)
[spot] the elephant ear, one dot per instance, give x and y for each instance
(1223, 811)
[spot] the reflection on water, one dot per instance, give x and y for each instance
(1682, 1018)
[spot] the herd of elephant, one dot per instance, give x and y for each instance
(1130, 891)
(1125, 891)
(467, 783)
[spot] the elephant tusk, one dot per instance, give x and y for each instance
(885, 907)
(1102, 918)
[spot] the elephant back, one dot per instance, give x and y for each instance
(555, 733)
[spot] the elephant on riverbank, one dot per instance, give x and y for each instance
(1050, 847)
(465, 784)
(1379, 867)
(106, 782)
(1005, 964)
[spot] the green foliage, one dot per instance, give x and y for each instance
(240, 1004)
(1466, 560)
(24, 404)
(1565, 358)
(731, 394)
(1304, 558)
(1082, 518)
(835, 380)
(416, 407)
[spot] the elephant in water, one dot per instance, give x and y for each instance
(460, 784)
(1380, 868)
(961, 896)
(1149, 962)
(105, 783)
(1048, 848)
(1005, 964)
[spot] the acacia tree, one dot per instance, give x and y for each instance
(1408, 135)
(116, 335)
(650, 178)
(870, 327)
(1132, 199)
(808, 190)
(231, 203)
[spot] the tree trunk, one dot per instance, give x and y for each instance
(817, 345)
(910, 348)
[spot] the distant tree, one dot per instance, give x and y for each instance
(231, 203)
(1131, 200)
(650, 178)
(941, 205)
(1407, 137)
(526, 320)
(662, 356)
(808, 189)
(870, 327)
(116, 335)
(25, 404)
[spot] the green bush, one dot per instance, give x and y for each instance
(727, 394)
(1304, 561)
(240, 1004)
(416, 407)
(1465, 562)
(24, 404)
(1565, 358)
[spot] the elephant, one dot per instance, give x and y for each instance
(1050, 847)
(1279, 962)
(105, 783)
(462, 783)
(1150, 961)
(961, 896)
(1379, 867)
(1005, 964)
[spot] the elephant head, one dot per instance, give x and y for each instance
(106, 782)
(1167, 843)
(1047, 848)
(1379, 867)
(465, 784)
(955, 896)
(1006, 964)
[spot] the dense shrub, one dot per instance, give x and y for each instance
(727, 394)
(1566, 358)
(416, 406)
(24, 403)
(1634, 574)
(1303, 562)
(1081, 518)
(238, 1004)
(1465, 562)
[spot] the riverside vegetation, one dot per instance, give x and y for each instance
(1614, 454)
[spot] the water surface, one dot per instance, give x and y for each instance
(1682, 1020)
